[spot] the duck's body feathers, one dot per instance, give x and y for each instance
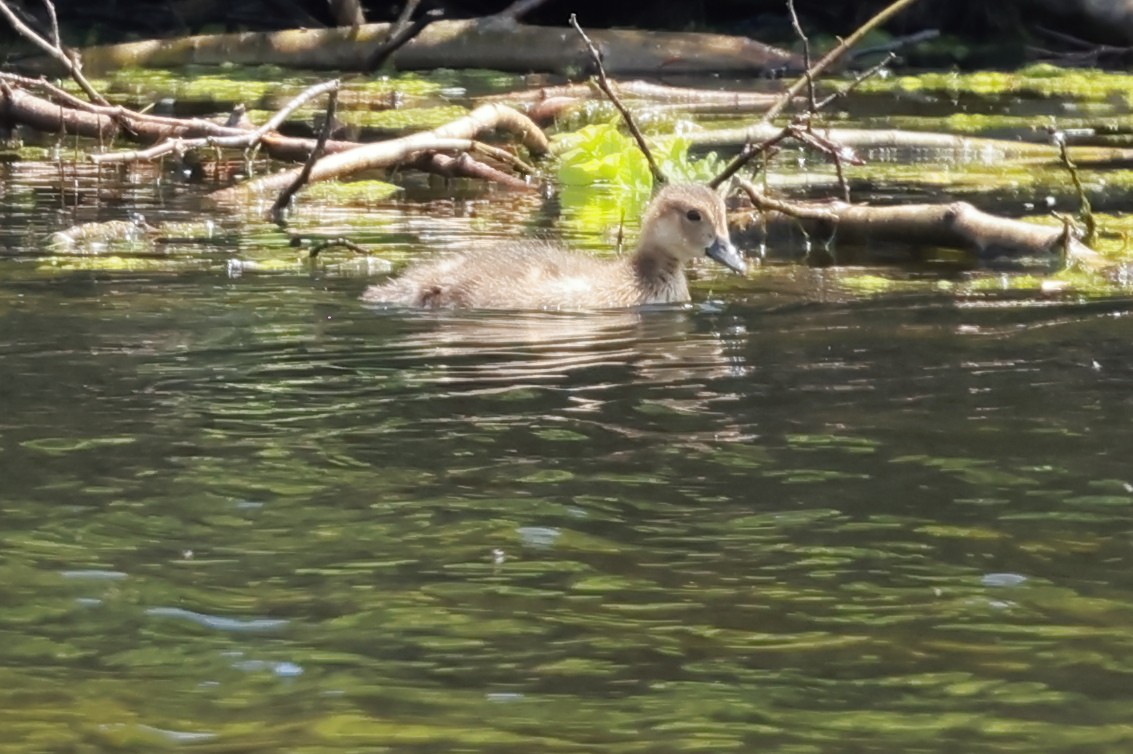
(529, 275)
(682, 223)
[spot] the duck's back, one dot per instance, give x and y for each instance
(528, 275)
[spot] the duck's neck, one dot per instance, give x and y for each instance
(659, 276)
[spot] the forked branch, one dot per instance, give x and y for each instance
(55, 49)
(834, 56)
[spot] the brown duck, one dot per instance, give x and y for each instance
(683, 222)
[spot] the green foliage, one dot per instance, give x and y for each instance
(600, 154)
(604, 177)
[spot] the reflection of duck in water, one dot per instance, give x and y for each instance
(682, 222)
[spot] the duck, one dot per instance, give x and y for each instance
(683, 222)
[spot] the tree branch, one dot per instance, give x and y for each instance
(284, 198)
(834, 55)
(56, 51)
(659, 178)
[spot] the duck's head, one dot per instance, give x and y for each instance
(687, 221)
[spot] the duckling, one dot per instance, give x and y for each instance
(683, 222)
(95, 236)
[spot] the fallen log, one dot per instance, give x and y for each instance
(545, 104)
(906, 232)
(477, 43)
(642, 90)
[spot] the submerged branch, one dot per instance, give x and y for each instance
(464, 165)
(1085, 211)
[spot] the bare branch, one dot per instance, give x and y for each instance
(659, 178)
(284, 198)
(747, 154)
(806, 55)
(1085, 211)
(863, 76)
(455, 136)
(988, 239)
(834, 55)
(464, 165)
(54, 19)
(71, 63)
(401, 33)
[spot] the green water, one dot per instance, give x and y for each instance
(253, 515)
(239, 511)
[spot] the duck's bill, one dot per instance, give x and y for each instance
(723, 252)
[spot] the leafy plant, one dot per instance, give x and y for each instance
(605, 178)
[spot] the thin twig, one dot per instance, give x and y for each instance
(816, 140)
(659, 178)
(330, 243)
(1078, 42)
(806, 55)
(746, 155)
(834, 55)
(284, 198)
(836, 156)
(67, 98)
(838, 153)
(863, 76)
(1085, 210)
(71, 63)
(896, 43)
(54, 19)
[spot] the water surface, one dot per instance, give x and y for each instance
(240, 511)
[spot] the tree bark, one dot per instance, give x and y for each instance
(484, 43)
(860, 233)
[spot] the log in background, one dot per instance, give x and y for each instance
(103, 21)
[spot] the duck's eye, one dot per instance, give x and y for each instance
(694, 215)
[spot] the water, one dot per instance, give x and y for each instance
(252, 514)
(239, 511)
